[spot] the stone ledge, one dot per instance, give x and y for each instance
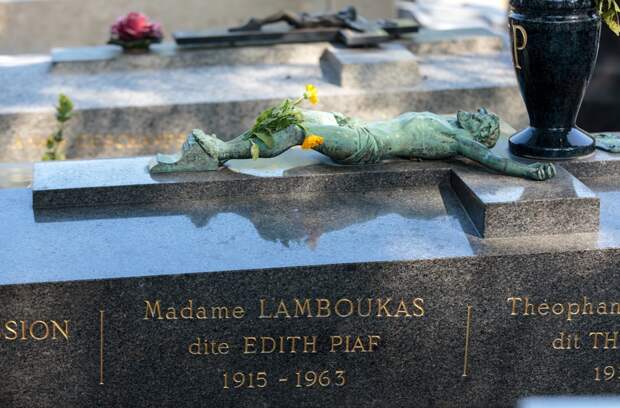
(127, 181)
(106, 58)
(600, 164)
(386, 66)
(501, 206)
(455, 41)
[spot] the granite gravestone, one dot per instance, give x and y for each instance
(397, 284)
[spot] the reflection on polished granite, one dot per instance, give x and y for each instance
(256, 232)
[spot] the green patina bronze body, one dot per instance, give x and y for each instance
(348, 141)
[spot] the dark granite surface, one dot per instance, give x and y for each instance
(259, 232)
(418, 361)
(400, 238)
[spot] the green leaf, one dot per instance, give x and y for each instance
(64, 108)
(255, 150)
(265, 138)
(273, 120)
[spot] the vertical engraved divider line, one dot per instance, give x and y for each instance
(101, 344)
(467, 338)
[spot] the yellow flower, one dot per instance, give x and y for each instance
(312, 94)
(311, 142)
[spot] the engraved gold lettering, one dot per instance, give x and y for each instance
(359, 308)
(349, 308)
(24, 335)
(543, 309)
(152, 310)
(609, 340)
(573, 310)
(382, 307)
(336, 342)
(302, 309)
(310, 344)
(402, 310)
(514, 301)
(238, 312)
(208, 347)
(37, 330)
(263, 315)
(516, 47)
(587, 306)
(353, 344)
(249, 345)
(279, 344)
(557, 309)
(418, 304)
(57, 328)
(188, 311)
(567, 341)
(201, 313)
(373, 342)
(342, 307)
(40, 334)
(222, 312)
(11, 327)
(282, 311)
(323, 309)
(171, 314)
(568, 310)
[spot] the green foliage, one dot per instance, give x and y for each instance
(610, 12)
(271, 121)
(64, 111)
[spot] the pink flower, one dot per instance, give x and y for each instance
(134, 27)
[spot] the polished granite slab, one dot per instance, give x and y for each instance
(254, 232)
(128, 181)
(264, 231)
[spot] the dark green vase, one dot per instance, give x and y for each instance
(554, 46)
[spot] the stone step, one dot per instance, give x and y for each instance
(127, 181)
(501, 206)
(498, 206)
